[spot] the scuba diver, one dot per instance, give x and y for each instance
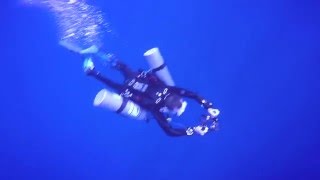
(146, 93)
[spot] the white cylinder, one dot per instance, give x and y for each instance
(155, 60)
(114, 102)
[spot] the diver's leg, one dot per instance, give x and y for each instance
(108, 59)
(108, 82)
(97, 75)
(117, 64)
(90, 70)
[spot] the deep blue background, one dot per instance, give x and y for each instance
(257, 61)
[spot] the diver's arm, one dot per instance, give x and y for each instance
(168, 129)
(213, 112)
(97, 75)
(189, 94)
(117, 64)
(90, 70)
(108, 59)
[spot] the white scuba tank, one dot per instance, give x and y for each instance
(155, 61)
(116, 103)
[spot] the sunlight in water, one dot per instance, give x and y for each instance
(78, 22)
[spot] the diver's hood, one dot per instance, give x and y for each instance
(177, 111)
(181, 110)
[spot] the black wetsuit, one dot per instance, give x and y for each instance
(147, 90)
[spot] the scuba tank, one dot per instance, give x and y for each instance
(116, 103)
(157, 65)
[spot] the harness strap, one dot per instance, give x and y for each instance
(123, 105)
(159, 68)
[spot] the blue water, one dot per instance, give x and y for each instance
(257, 61)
